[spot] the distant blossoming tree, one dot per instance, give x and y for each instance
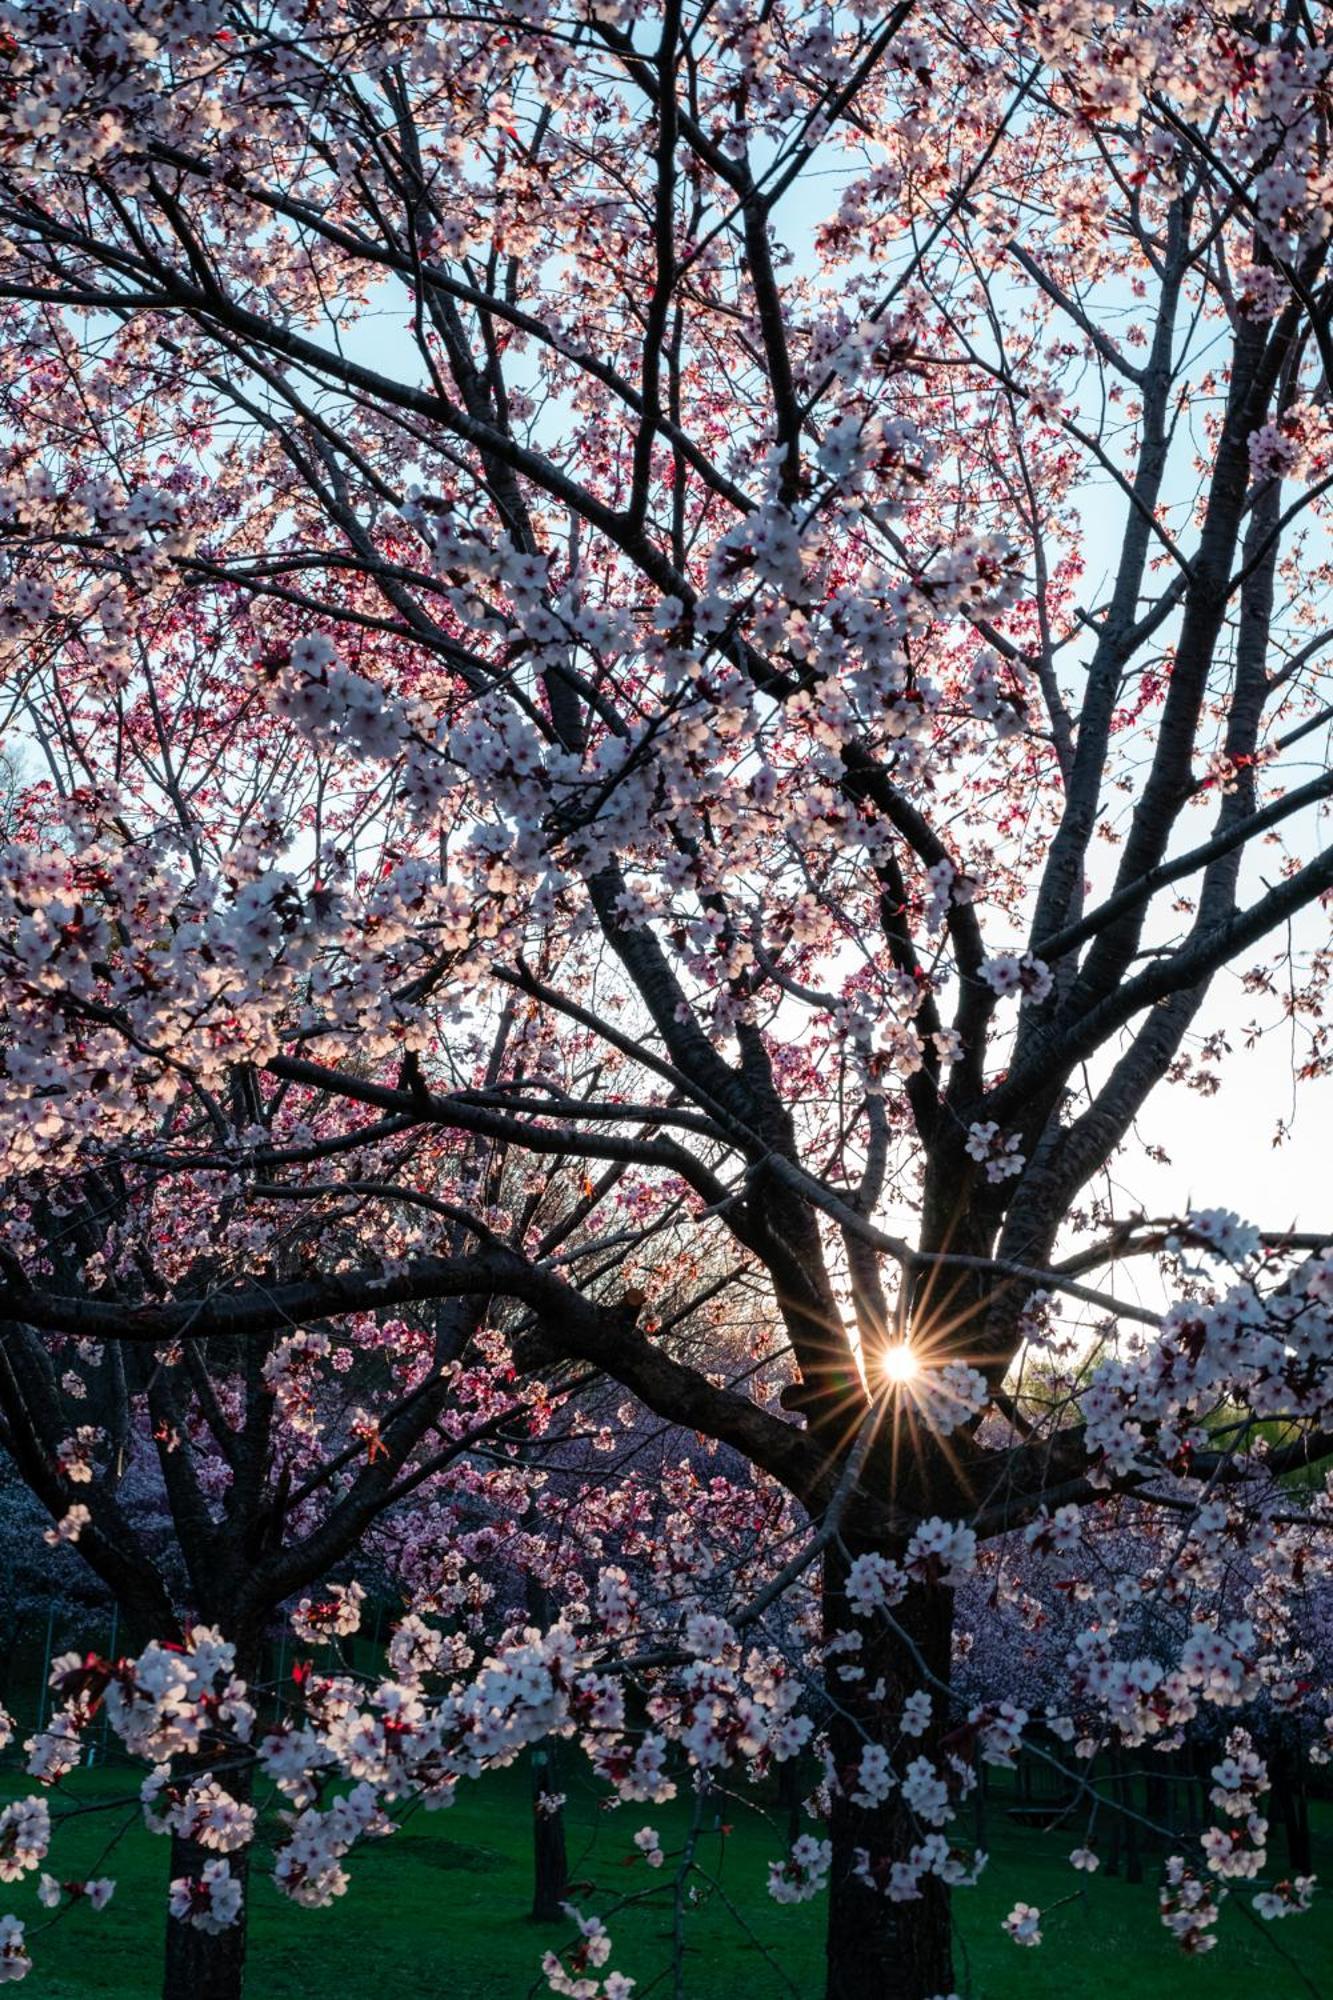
(637, 641)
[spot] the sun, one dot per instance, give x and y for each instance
(900, 1363)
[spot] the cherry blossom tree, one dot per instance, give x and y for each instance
(656, 657)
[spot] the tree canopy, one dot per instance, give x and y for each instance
(653, 659)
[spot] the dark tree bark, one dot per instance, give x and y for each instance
(1115, 1842)
(550, 1865)
(1124, 1788)
(878, 1949)
(200, 1965)
(789, 1796)
(550, 1862)
(203, 1965)
(1290, 1801)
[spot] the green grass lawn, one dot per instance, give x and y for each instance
(441, 1908)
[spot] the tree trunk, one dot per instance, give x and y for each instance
(878, 1949)
(1125, 1795)
(550, 1866)
(789, 1797)
(1115, 1842)
(1290, 1800)
(204, 1965)
(199, 1965)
